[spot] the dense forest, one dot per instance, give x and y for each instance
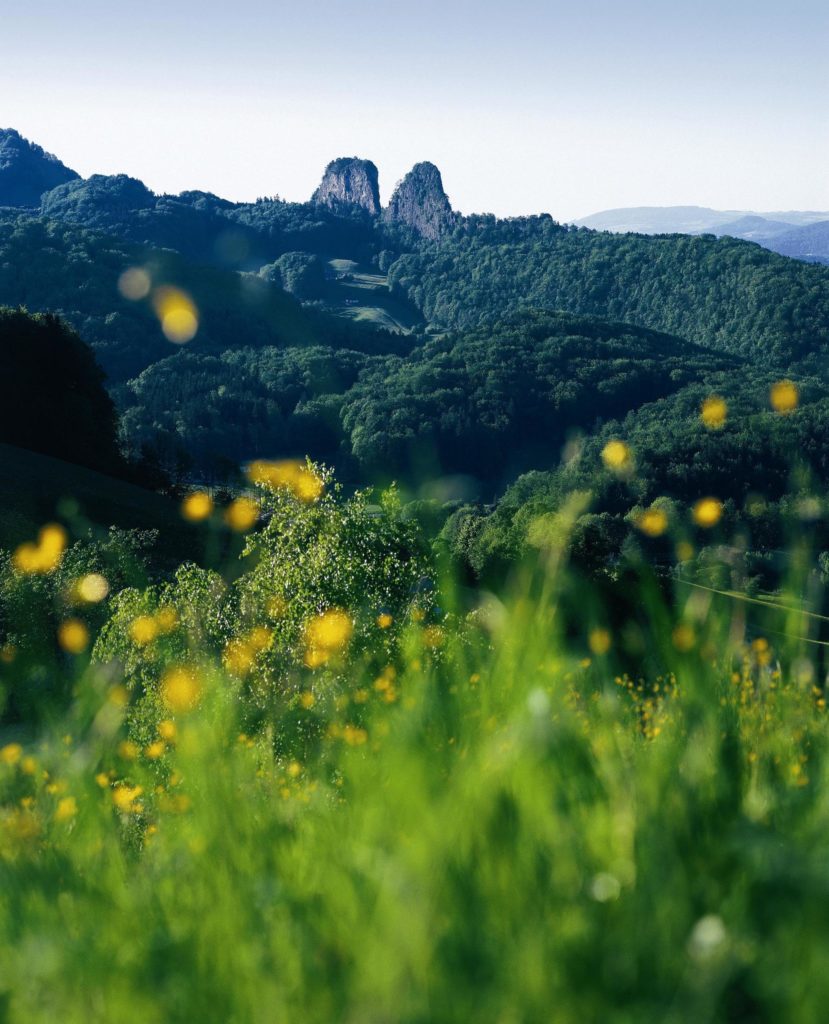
(722, 293)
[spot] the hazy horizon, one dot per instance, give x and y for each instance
(546, 107)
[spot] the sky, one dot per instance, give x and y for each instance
(526, 106)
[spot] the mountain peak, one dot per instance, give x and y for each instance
(349, 180)
(420, 202)
(27, 171)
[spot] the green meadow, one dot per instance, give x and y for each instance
(320, 780)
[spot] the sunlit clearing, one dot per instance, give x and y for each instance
(45, 555)
(134, 284)
(181, 688)
(73, 636)
(784, 396)
(197, 506)
(287, 474)
(714, 412)
(617, 457)
(707, 512)
(177, 314)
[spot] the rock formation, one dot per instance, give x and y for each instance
(349, 180)
(26, 171)
(420, 202)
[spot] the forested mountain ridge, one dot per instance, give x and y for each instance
(723, 293)
(27, 171)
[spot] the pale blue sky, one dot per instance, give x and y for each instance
(567, 107)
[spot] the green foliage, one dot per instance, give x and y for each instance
(37, 685)
(49, 265)
(766, 466)
(505, 397)
(722, 293)
(300, 273)
(346, 555)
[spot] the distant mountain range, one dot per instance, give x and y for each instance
(801, 234)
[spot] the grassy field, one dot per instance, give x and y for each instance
(363, 295)
(489, 819)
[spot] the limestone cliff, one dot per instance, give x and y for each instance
(420, 202)
(352, 181)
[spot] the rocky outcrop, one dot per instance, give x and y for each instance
(420, 202)
(27, 171)
(349, 181)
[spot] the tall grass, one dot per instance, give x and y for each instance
(508, 827)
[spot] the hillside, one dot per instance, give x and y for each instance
(724, 294)
(37, 489)
(27, 171)
(64, 268)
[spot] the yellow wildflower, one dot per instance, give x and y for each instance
(167, 730)
(707, 512)
(166, 619)
(67, 809)
(683, 638)
(92, 588)
(242, 514)
(124, 797)
(11, 753)
(44, 556)
(177, 314)
(325, 635)
(653, 522)
(181, 688)
(617, 457)
(143, 630)
(73, 636)
(599, 641)
(714, 412)
(197, 506)
(784, 396)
